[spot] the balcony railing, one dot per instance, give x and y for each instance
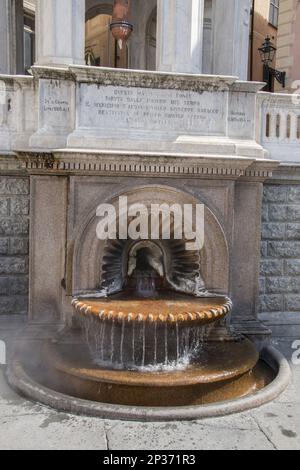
(279, 128)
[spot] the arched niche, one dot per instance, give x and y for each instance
(88, 254)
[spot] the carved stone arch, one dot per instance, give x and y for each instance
(95, 7)
(89, 251)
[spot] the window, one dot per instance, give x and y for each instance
(29, 42)
(101, 49)
(274, 12)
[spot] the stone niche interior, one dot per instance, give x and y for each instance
(94, 258)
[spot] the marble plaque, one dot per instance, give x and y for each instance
(146, 109)
(56, 103)
(241, 115)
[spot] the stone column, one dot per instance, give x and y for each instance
(4, 36)
(231, 26)
(11, 37)
(60, 32)
(180, 36)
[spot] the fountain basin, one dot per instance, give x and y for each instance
(127, 333)
(176, 309)
(227, 371)
(33, 376)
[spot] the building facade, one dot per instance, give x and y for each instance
(194, 37)
(288, 55)
(264, 23)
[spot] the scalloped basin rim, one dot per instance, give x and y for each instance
(181, 309)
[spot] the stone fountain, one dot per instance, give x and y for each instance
(141, 328)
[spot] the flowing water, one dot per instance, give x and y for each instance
(143, 345)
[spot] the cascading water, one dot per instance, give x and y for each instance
(143, 345)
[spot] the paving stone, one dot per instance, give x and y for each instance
(185, 436)
(281, 425)
(52, 431)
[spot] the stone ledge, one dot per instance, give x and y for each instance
(286, 174)
(146, 164)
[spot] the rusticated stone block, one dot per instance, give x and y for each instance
(19, 205)
(14, 244)
(264, 249)
(294, 194)
(278, 213)
(265, 213)
(4, 206)
(276, 193)
(4, 285)
(292, 268)
(4, 246)
(271, 268)
(293, 213)
(273, 231)
(271, 303)
(292, 303)
(284, 249)
(282, 285)
(19, 285)
(280, 266)
(262, 285)
(14, 226)
(13, 305)
(293, 231)
(10, 186)
(13, 265)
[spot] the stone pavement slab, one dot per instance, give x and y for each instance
(185, 436)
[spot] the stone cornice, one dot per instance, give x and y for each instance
(51, 73)
(9, 163)
(149, 165)
(284, 100)
(147, 79)
(247, 87)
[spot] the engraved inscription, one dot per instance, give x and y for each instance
(150, 109)
(55, 103)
